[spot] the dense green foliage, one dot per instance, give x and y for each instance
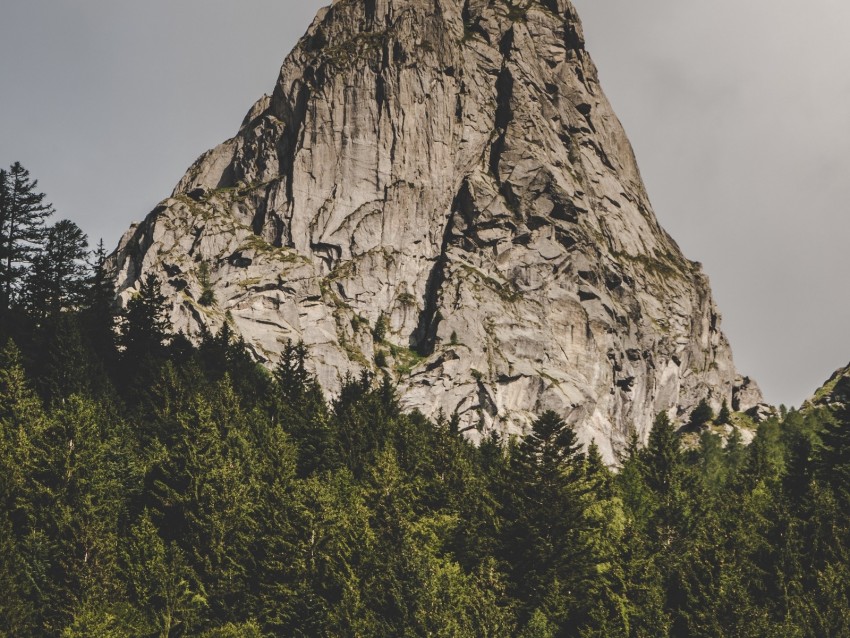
(151, 488)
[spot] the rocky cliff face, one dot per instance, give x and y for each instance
(439, 188)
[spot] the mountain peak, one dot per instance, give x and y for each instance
(440, 190)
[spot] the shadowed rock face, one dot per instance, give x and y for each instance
(453, 171)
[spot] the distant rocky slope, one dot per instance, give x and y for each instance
(835, 392)
(440, 189)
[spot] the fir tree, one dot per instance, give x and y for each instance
(5, 253)
(207, 297)
(725, 415)
(66, 362)
(146, 328)
(663, 457)
(99, 307)
(24, 559)
(834, 457)
(160, 582)
(551, 561)
(301, 408)
(701, 415)
(59, 276)
(22, 214)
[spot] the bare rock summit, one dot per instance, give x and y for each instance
(439, 189)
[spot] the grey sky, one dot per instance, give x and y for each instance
(739, 111)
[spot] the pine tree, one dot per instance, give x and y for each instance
(834, 457)
(663, 457)
(725, 415)
(550, 558)
(5, 217)
(314, 560)
(100, 289)
(22, 214)
(736, 452)
(59, 276)
(86, 469)
(292, 376)
(631, 480)
(99, 307)
(302, 411)
(604, 606)
(666, 477)
(207, 297)
(146, 328)
(65, 362)
(161, 584)
(225, 353)
(24, 559)
(364, 418)
(702, 414)
(712, 461)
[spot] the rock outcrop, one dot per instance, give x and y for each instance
(440, 188)
(835, 392)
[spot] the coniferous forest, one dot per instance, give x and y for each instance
(153, 485)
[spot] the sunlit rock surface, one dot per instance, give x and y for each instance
(453, 172)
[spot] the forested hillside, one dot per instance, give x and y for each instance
(152, 487)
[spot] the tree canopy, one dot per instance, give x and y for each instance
(152, 486)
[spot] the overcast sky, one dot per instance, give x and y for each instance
(739, 111)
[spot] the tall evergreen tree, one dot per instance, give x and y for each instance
(146, 328)
(225, 353)
(5, 215)
(550, 557)
(725, 414)
(59, 275)
(161, 583)
(702, 414)
(22, 231)
(834, 456)
(302, 410)
(65, 362)
(24, 558)
(99, 308)
(663, 457)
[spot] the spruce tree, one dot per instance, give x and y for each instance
(736, 452)
(549, 558)
(23, 561)
(146, 328)
(160, 582)
(58, 279)
(5, 215)
(725, 415)
(64, 360)
(637, 496)
(702, 414)
(100, 291)
(207, 297)
(99, 307)
(22, 214)
(834, 456)
(300, 407)
(667, 477)
(663, 457)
